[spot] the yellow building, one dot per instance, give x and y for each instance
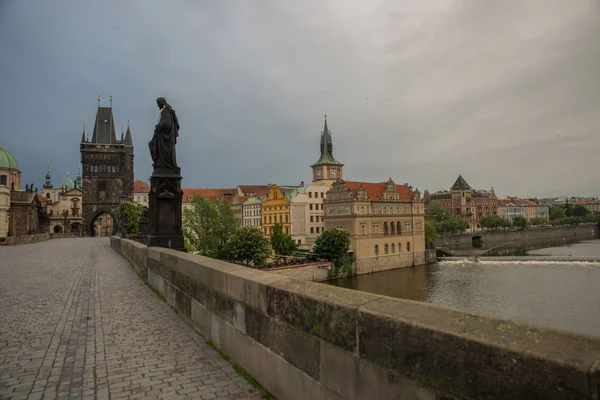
(276, 208)
(385, 222)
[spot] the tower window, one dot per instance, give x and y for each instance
(102, 192)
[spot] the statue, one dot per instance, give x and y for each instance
(162, 145)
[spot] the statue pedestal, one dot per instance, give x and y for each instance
(165, 228)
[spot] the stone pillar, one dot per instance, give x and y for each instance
(165, 210)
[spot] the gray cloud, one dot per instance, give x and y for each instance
(505, 93)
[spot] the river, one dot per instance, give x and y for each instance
(563, 295)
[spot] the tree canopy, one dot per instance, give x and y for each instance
(134, 213)
(443, 220)
(208, 226)
(494, 222)
(249, 246)
(520, 222)
(557, 212)
(282, 243)
(333, 244)
(431, 234)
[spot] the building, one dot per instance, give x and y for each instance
(385, 222)
(243, 193)
(10, 179)
(107, 173)
(276, 208)
(510, 210)
(593, 206)
(27, 215)
(140, 192)
(63, 204)
(209, 194)
(252, 211)
(467, 203)
(327, 168)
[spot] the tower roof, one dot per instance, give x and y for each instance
(104, 127)
(128, 138)
(67, 182)
(460, 184)
(48, 182)
(326, 148)
(7, 161)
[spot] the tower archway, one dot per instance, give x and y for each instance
(102, 225)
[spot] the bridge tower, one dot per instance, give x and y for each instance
(107, 173)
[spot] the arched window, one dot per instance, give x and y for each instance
(48, 195)
(286, 218)
(398, 228)
(393, 248)
(392, 228)
(407, 246)
(386, 249)
(399, 247)
(385, 228)
(376, 250)
(269, 219)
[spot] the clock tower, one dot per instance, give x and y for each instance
(327, 169)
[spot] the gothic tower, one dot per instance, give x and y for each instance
(327, 168)
(107, 174)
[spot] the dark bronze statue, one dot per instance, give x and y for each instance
(162, 145)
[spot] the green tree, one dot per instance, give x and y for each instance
(431, 234)
(282, 243)
(520, 222)
(436, 212)
(452, 224)
(537, 221)
(332, 244)
(134, 213)
(208, 226)
(249, 246)
(557, 212)
(494, 222)
(579, 211)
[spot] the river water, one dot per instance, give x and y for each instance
(563, 295)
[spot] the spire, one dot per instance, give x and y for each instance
(48, 183)
(326, 147)
(104, 126)
(78, 179)
(460, 184)
(128, 138)
(83, 135)
(122, 135)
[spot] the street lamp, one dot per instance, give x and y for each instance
(123, 217)
(9, 212)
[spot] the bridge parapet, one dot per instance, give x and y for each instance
(306, 340)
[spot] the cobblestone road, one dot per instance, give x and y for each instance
(76, 322)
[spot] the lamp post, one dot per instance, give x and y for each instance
(9, 212)
(65, 214)
(123, 217)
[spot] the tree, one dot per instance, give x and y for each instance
(579, 211)
(436, 212)
(557, 212)
(282, 243)
(249, 246)
(520, 222)
(332, 244)
(494, 222)
(431, 234)
(451, 224)
(134, 213)
(208, 226)
(537, 221)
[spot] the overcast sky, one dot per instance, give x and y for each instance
(506, 93)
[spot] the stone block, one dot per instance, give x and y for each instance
(321, 310)
(298, 348)
(201, 318)
(352, 378)
(183, 303)
(257, 326)
(249, 286)
(239, 318)
(210, 272)
(475, 356)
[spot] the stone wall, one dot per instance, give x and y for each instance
(307, 272)
(306, 340)
(569, 233)
(26, 239)
(386, 262)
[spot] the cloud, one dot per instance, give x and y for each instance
(504, 93)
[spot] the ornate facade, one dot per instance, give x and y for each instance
(107, 172)
(385, 222)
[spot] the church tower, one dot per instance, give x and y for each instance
(327, 168)
(107, 174)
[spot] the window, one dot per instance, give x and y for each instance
(102, 193)
(287, 230)
(311, 218)
(393, 248)
(376, 250)
(385, 249)
(385, 210)
(286, 219)
(375, 228)
(310, 195)
(321, 206)
(310, 206)
(407, 227)
(48, 195)
(339, 227)
(363, 229)
(399, 247)
(280, 219)
(299, 242)
(4, 180)
(322, 193)
(407, 246)
(312, 229)
(269, 219)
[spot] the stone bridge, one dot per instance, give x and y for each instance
(77, 322)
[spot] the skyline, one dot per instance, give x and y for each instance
(505, 95)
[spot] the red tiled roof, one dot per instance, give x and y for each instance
(210, 194)
(139, 186)
(249, 189)
(586, 202)
(375, 189)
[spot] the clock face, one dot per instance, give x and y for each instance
(333, 174)
(318, 174)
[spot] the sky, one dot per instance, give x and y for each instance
(505, 93)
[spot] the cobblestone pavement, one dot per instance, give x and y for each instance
(76, 322)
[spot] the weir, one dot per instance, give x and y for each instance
(306, 340)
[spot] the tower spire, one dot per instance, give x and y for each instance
(48, 183)
(83, 134)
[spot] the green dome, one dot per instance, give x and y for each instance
(67, 182)
(7, 161)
